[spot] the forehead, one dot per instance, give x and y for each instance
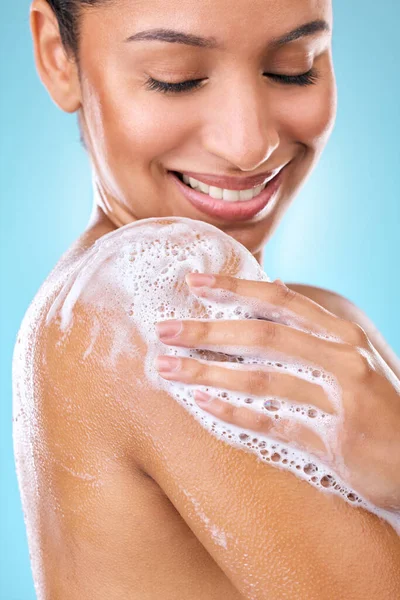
(230, 21)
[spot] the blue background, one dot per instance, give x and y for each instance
(341, 232)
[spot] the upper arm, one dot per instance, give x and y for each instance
(272, 534)
(79, 483)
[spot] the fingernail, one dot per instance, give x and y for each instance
(200, 279)
(202, 398)
(169, 329)
(167, 363)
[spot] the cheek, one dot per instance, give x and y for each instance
(140, 124)
(313, 118)
(129, 125)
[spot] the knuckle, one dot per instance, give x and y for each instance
(359, 365)
(261, 423)
(198, 370)
(231, 284)
(258, 382)
(201, 332)
(229, 413)
(357, 335)
(265, 332)
(285, 295)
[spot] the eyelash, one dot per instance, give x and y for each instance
(309, 78)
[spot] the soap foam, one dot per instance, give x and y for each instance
(141, 269)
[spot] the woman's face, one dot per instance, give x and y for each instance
(240, 121)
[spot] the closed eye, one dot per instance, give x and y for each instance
(308, 78)
(303, 79)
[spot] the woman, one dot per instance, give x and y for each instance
(125, 495)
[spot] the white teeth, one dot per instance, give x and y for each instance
(215, 192)
(221, 194)
(247, 194)
(203, 187)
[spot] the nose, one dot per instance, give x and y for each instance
(241, 128)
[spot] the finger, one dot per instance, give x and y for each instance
(276, 302)
(285, 430)
(253, 380)
(263, 339)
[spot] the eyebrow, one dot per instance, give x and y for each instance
(179, 37)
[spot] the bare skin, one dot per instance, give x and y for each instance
(125, 507)
(111, 497)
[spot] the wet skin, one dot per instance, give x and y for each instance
(111, 496)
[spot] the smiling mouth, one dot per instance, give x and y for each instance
(217, 193)
(230, 205)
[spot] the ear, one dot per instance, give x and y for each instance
(57, 71)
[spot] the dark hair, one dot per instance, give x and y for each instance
(67, 13)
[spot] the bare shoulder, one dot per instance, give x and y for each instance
(335, 303)
(82, 415)
(346, 309)
(71, 437)
(91, 412)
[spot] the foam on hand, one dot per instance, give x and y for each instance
(141, 268)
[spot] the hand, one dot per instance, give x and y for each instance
(364, 445)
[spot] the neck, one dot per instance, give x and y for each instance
(109, 216)
(259, 256)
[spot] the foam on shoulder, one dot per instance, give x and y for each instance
(138, 272)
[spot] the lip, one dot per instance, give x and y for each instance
(233, 183)
(232, 211)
